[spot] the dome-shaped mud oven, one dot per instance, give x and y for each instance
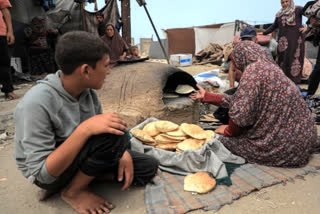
(138, 91)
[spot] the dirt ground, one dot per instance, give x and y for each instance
(18, 196)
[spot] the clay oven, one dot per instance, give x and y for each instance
(135, 91)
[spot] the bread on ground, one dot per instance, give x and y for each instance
(200, 182)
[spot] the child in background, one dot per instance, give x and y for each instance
(134, 51)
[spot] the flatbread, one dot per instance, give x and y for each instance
(200, 182)
(166, 126)
(184, 89)
(143, 136)
(151, 129)
(173, 137)
(160, 139)
(193, 131)
(210, 134)
(188, 144)
(170, 95)
(167, 146)
(177, 133)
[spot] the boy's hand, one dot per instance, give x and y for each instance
(105, 123)
(198, 94)
(125, 169)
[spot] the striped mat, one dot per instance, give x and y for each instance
(167, 196)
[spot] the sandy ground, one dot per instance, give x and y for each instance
(18, 196)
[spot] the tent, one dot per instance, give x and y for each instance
(23, 11)
(67, 15)
(197, 38)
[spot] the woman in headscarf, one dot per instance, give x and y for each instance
(269, 123)
(118, 47)
(291, 46)
(40, 53)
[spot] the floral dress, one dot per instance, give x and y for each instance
(277, 127)
(291, 46)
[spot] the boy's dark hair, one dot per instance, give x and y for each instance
(77, 48)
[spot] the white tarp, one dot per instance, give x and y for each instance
(221, 36)
(204, 36)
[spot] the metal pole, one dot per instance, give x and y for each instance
(164, 52)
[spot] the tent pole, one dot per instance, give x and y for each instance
(83, 16)
(164, 52)
(126, 20)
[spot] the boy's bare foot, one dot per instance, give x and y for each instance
(85, 202)
(11, 96)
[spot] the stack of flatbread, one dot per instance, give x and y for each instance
(167, 135)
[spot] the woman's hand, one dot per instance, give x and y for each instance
(220, 129)
(198, 94)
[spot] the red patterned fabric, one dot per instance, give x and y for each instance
(232, 130)
(214, 99)
(278, 127)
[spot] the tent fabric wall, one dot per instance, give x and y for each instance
(111, 15)
(225, 34)
(24, 10)
(203, 36)
(180, 40)
(192, 39)
(156, 52)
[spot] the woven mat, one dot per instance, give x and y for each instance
(167, 196)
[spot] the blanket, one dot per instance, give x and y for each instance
(166, 194)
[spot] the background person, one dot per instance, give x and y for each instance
(39, 38)
(101, 25)
(291, 47)
(134, 52)
(118, 47)
(6, 38)
(312, 11)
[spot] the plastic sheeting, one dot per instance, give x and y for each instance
(204, 36)
(24, 10)
(221, 36)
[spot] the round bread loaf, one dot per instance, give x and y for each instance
(193, 131)
(200, 182)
